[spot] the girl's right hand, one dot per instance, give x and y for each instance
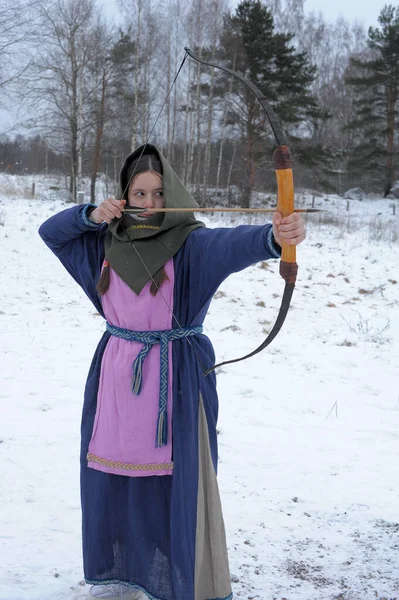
(107, 210)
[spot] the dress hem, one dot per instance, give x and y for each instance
(140, 588)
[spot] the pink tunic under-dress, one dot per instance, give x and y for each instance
(124, 432)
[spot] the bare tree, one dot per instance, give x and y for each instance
(204, 23)
(216, 10)
(288, 15)
(101, 72)
(223, 134)
(18, 30)
(330, 47)
(135, 116)
(174, 35)
(61, 88)
(18, 20)
(143, 18)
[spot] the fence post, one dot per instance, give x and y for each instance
(81, 197)
(33, 190)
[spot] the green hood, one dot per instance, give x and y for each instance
(136, 250)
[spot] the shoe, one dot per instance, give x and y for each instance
(139, 595)
(110, 592)
(115, 592)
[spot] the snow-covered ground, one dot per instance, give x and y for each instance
(309, 429)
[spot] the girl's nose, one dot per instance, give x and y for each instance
(148, 202)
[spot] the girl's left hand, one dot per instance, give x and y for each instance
(290, 230)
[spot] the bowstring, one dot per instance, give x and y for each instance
(155, 124)
(171, 309)
(280, 138)
(132, 242)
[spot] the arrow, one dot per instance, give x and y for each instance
(137, 210)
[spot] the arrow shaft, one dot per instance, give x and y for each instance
(215, 210)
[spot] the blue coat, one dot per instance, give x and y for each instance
(143, 531)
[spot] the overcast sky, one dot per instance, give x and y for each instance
(361, 10)
(353, 10)
(366, 11)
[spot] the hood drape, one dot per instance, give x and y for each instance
(136, 250)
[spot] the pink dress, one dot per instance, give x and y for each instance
(124, 432)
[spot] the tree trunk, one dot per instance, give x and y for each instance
(99, 136)
(250, 158)
(80, 136)
(190, 157)
(116, 180)
(198, 127)
(175, 34)
(223, 132)
(168, 84)
(174, 121)
(74, 163)
(135, 118)
(74, 142)
(207, 158)
(390, 174)
(146, 116)
(74, 129)
(172, 19)
(216, 8)
(186, 127)
(231, 169)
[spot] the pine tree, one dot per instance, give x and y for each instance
(377, 88)
(271, 62)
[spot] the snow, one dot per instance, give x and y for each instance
(309, 429)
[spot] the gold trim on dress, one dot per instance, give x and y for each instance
(129, 466)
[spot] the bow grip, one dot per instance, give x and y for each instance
(285, 193)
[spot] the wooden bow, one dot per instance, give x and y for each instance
(285, 206)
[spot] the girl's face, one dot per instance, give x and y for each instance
(146, 191)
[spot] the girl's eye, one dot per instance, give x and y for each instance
(160, 193)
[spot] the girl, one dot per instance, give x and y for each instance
(152, 520)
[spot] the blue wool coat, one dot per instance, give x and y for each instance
(143, 530)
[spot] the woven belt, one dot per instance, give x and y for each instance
(148, 339)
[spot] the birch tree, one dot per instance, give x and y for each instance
(143, 19)
(288, 15)
(18, 26)
(18, 35)
(174, 34)
(217, 9)
(101, 75)
(60, 89)
(204, 27)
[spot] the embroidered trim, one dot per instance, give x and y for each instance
(143, 227)
(129, 466)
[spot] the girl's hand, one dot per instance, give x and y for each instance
(290, 230)
(107, 210)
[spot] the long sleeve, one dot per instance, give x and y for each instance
(219, 252)
(209, 256)
(78, 243)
